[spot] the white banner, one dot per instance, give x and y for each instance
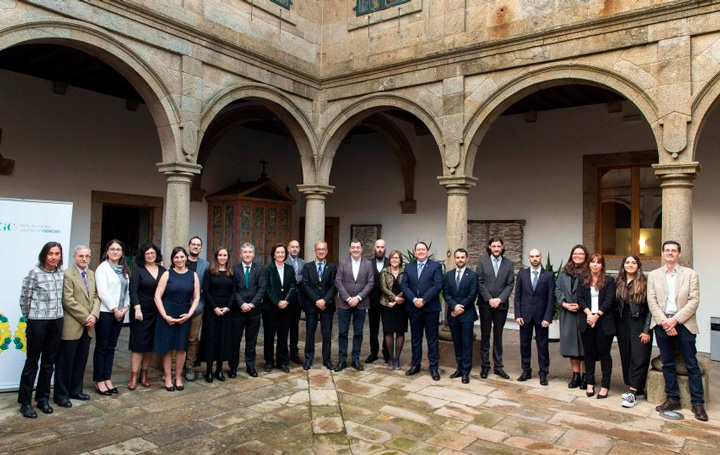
(25, 226)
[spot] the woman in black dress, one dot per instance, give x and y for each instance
(176, 297)
(394, 316)
(280, 290)
(218, 289)
(597, 298)
(143, 312)
(632, 319)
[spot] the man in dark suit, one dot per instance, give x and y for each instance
(81, 307)
(246, 309)
(496, 277)
(421, 286)
(534, 308)
(354, 281)
(317, 297)
(297, 264)
(460, 289)
(379, 263)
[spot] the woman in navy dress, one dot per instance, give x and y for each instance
(143, 312)
(176, 297)
(219, 292)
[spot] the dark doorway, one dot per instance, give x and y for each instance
(131, 225)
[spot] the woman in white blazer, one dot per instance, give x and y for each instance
(112, 279)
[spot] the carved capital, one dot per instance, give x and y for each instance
(179, 172)
(458, 185)
(680, 175)
(315, 191)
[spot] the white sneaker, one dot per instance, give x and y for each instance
(625, 395)
(629, 400)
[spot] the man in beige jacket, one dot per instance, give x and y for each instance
(673, 298)
(81, 308)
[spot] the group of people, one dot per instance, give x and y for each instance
(167, 309)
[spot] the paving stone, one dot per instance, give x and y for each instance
(631, 448)
(291, 439)
(451, 440)
(172, 433)
(331, 444)
(234, 417)
(254, 448)
(453, 425)
(486, 434)
(456, 396)
(320, 379)
(326, 424)
(398, 426)
(406, 414)
(526, 428)
(356, 430)
(458, 411)
(355, 413)
(129, 447)
(700, 448)
(412, 446)
(90, 441)
(28, 439)
(362, 447)
(323, 397)
(586, 441)
(692, 431)
(412, 400)
(545, 448)
(480, 447)
(358, 388)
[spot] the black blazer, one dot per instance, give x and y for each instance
(255, 292)
(463, 294)
(375, 293)
(275, 291)
(491, 287)
(606, 302)
(538, 305)
(311, 289)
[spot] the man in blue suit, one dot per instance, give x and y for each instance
(421, 286)
(534, 308)
(460, 289)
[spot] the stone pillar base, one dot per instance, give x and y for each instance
(656, 388)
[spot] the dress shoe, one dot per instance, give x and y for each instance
(340, 366)
(189, 374)
(114, 390)
(296, 360)
(284, 368)
(80, 396)
(329, 365)
(484, 372)
(600, 396)
(435, 374)
(102, 392)
(575, 381)
(371, 358)
(170, 388)
(466, 379)
(144, 381)
(500, 372)
(268, 367)
(415, 369)
(45, 407)
(251, 371)
(699, 411)
(27, 411)
(525, 376)
(220, 376)
(456, 374)
(209, 377)
(133, 382)
(64, 403)
(588, 391)
(583, 382)
(232, 373)
(669, 405)
(307, 365)
(543, 379)
(179, 387)
(356, 364)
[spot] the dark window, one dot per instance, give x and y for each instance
(284, 3)
(369, 6)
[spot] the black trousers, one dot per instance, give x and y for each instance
(325, 318)
(462, 336)
(634, 356)
(428, 322)
(541, 341)
(276, 323)
(295, 312)
(70, 368)
(43, 342)
(374, 316)
(107, 331)
(597, 347)
(244, 323)
(492, 321)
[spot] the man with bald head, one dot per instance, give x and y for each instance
(293, 258)
(379, 262)
(534, 308)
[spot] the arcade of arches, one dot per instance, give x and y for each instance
(417, 120)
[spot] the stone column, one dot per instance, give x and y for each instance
(177, 203)
(315, 195)
(676, 181)
(457, 190)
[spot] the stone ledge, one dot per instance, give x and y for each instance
(656, 388)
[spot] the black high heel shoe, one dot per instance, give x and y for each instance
(601, 396)
(588, 392)
(102, 392)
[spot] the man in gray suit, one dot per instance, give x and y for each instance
(293, 258)
(354, 281)
(496, 278)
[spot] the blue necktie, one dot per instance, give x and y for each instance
(535, 279)
(319, 271)
(420, 268)
(84, 277)
(496, 265)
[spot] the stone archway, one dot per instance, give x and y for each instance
(706, 101)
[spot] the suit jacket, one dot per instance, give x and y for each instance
(490, 286)
(606, 302)
(565, 290)
(254, 292)
(275, 291)
(313, 289)
(428, 286)
(463, 294)
(348, 286)
(538, 305)
(202, 268)
(375, 294)
(687, 296)
(301, 265)
(78, 304)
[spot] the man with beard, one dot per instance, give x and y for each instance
(379, 263)
(198, 265)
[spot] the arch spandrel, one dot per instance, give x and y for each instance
(704, 103)
(147, 81)
(528, 82)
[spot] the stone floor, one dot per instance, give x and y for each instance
(376, 411)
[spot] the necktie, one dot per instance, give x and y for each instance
(420, 268)
(535, 279)
(84, 277)
(295, 265)
(496, 265)
(319, 271)
(247, 276)
(458, 277)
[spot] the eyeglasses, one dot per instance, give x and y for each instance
(115, 250)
